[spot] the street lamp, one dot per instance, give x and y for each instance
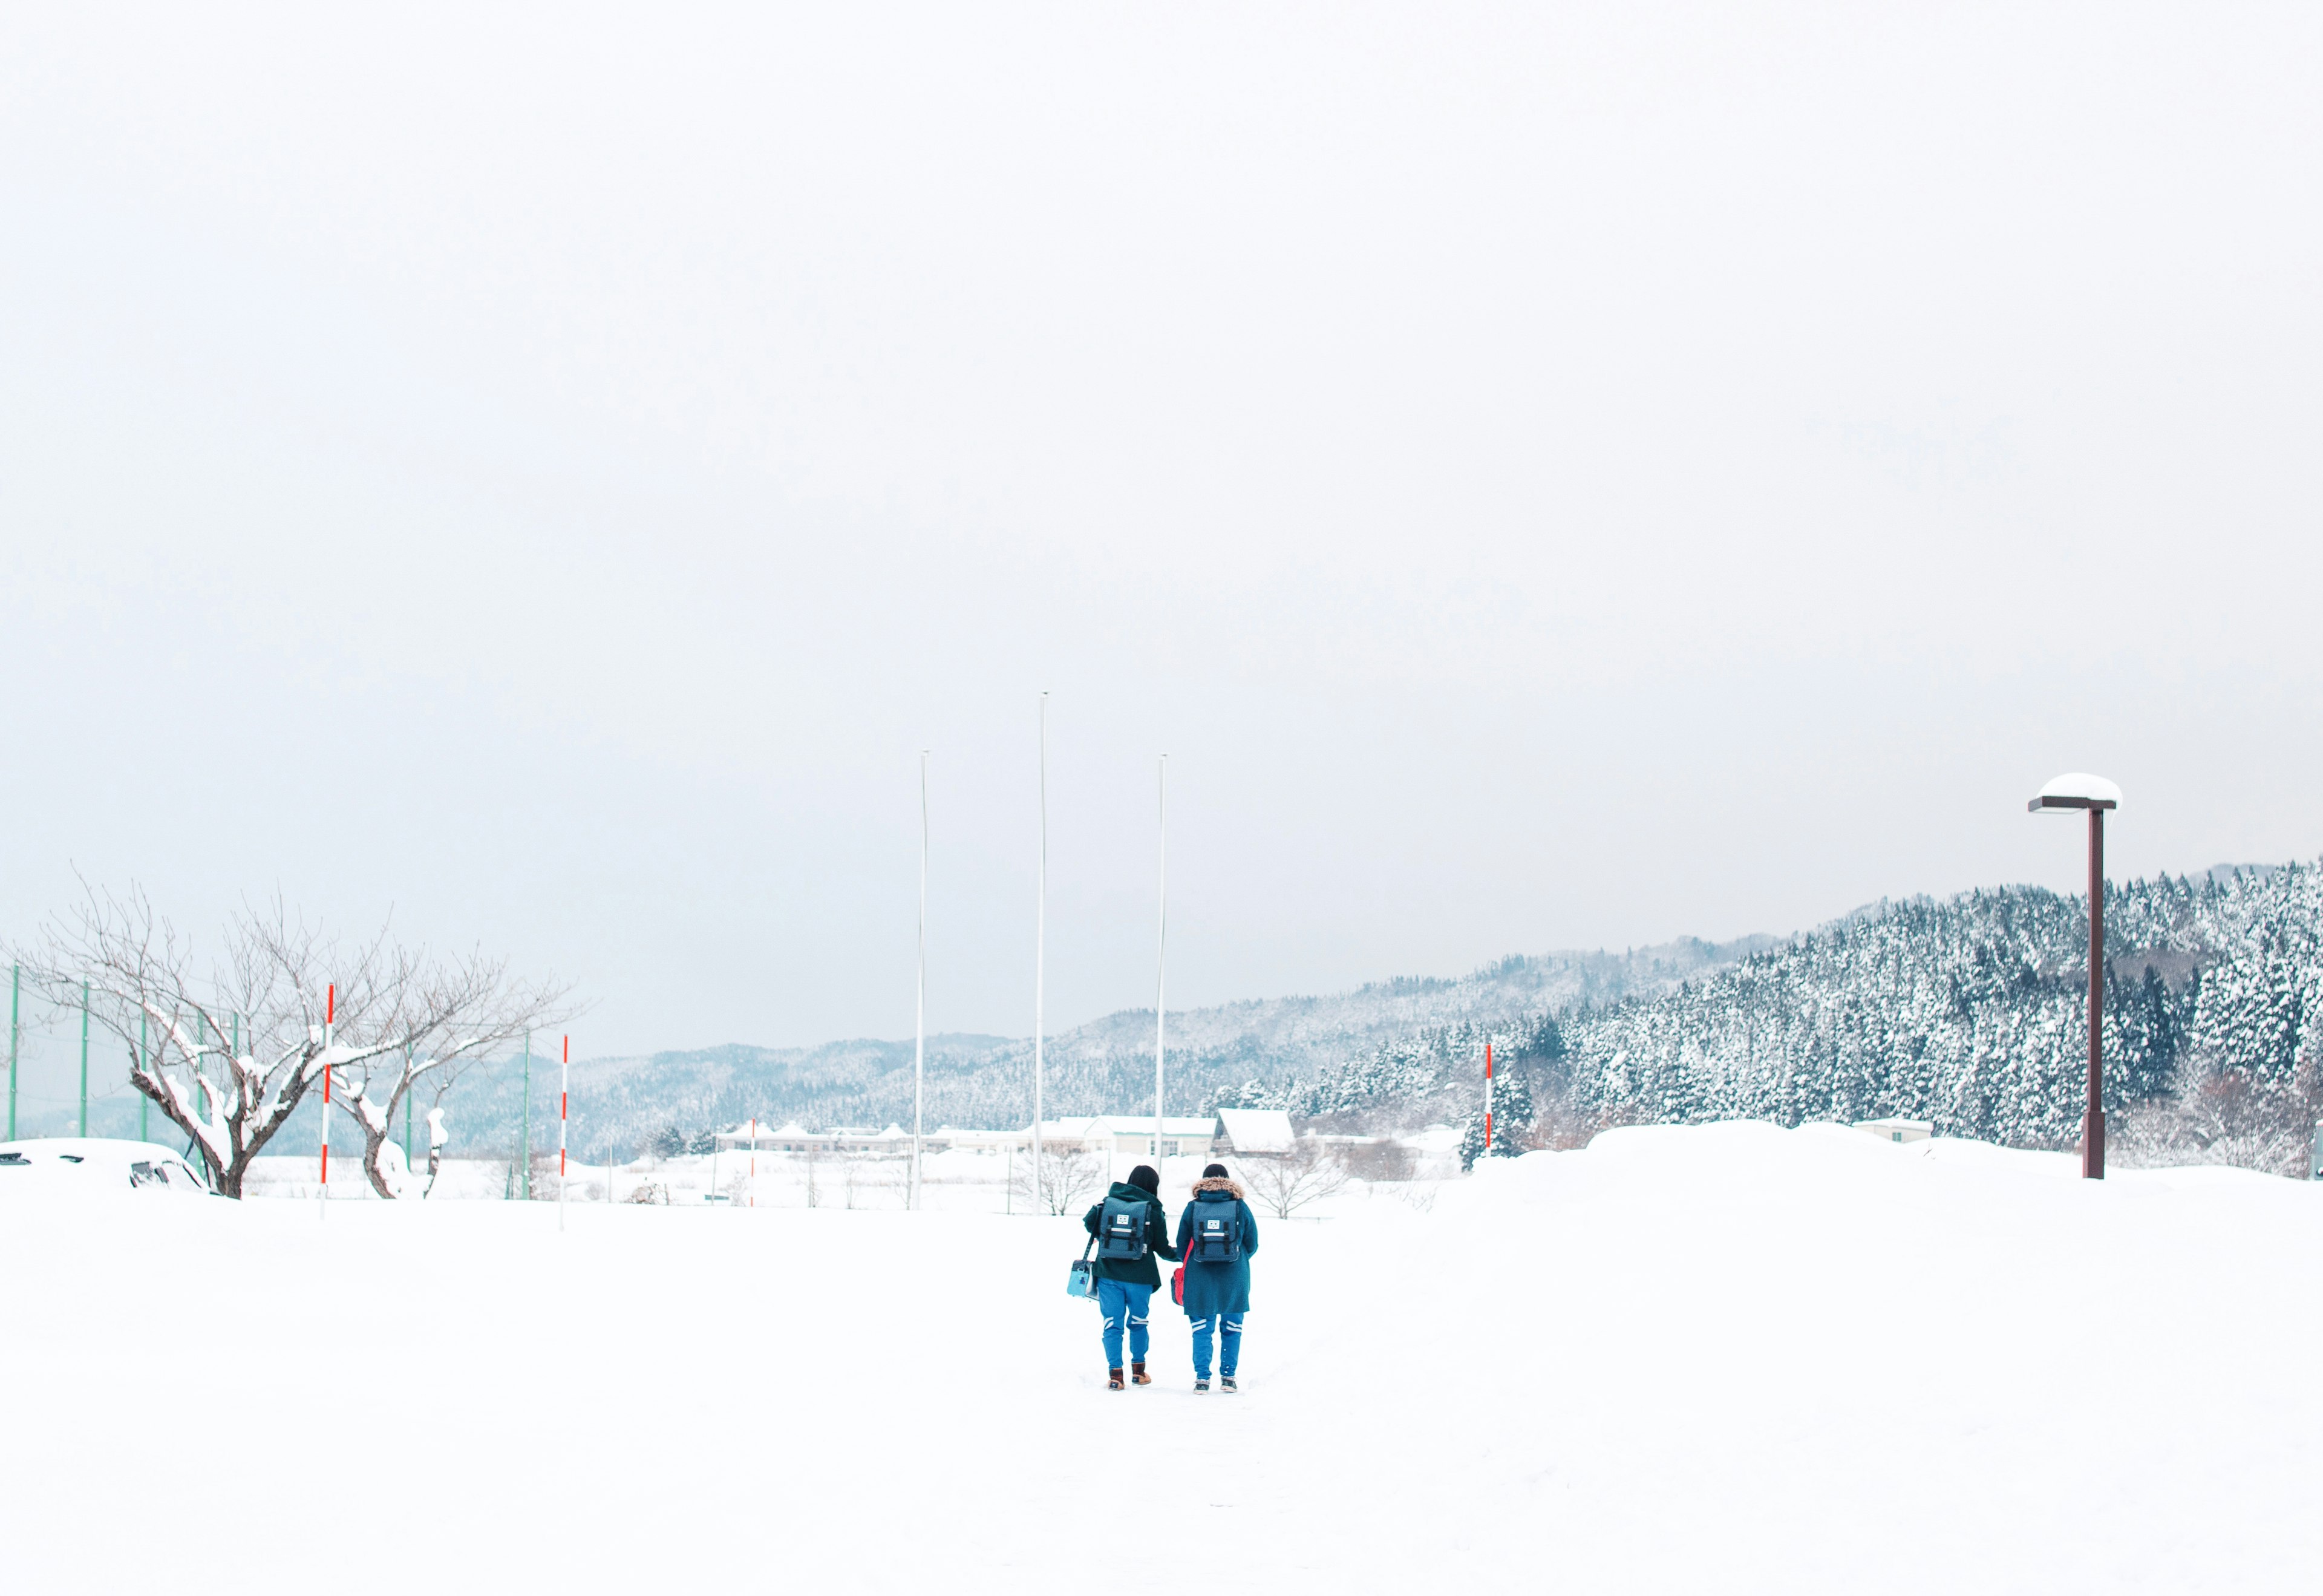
(2093, 794)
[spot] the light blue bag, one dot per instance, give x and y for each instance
(1082, 1279)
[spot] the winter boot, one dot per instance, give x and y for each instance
(1113, 1379)
(1201, 1385)
(1225, 1383)
(1137, 1375)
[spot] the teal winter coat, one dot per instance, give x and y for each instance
(1217, 1288)
(1137, 1272)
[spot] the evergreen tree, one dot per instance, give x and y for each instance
(1512, 1115)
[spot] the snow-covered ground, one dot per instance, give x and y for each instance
(1726, 1358)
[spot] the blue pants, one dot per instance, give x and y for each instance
(1229, 1335)
(1122, 1303)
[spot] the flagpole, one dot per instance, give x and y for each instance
(920, 1006)
(1041, 955)
(1162, 952)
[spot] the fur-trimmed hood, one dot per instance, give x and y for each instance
(1219, 1183)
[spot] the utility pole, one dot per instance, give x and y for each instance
(83, 1057)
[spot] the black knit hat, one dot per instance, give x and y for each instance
(1144, 1177)
(1213, 1172)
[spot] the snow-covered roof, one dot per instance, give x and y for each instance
(1257, 1130)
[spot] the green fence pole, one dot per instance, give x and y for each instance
(83, 1057)
(16, 992)
(524, 1152)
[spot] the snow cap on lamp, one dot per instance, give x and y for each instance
(2076, 790)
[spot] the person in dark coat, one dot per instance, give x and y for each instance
(1217, 1222)
(1126, 1278)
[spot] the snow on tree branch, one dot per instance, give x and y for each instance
(227, 1046)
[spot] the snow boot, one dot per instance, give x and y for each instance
(1225, 1383)
(1113, 1379)
(1137, 1375)
(1201, 1385)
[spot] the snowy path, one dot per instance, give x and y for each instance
(1721, 1359)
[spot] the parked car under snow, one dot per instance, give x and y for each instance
(96, 1163)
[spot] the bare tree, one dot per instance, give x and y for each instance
(1310, 1170)
(1069, 1178)
(2228, 1116)
(231, 1047)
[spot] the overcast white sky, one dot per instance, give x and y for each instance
(1548, 475)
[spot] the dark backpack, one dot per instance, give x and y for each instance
(1217, 1236)
(1121, 1230)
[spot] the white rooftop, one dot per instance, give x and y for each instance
(1258, 1130)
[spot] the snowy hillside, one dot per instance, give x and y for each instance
(1096, 1067)
(1711, 1359)
(1970, 1012)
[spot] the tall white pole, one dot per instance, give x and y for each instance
(563, 1097)
(1041, 955)
(920, 1022)
(1162, 956)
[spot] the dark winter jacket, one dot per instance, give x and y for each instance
(1137, 1272)
(1217, 1288)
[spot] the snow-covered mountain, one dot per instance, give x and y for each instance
(1101, 1067)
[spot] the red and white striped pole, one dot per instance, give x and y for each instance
(564, 1096)
(330, 1020)
(1488, 1102)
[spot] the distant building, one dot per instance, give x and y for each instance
(1129, 1135)
(795, 1137)
(1253, 1132)
(1897, 1129)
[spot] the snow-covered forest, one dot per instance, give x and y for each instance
(1970, 1012)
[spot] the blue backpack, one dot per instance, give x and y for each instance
(1216, 1237)
(1121, 1230)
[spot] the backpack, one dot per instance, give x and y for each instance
(1121, 1230)
(1216, 1235)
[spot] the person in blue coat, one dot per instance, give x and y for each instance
(1223, 1232)
(1133, 1229)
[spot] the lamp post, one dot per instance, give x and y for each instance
(2093, 794)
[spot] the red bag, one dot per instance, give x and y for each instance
(1178, 1283)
